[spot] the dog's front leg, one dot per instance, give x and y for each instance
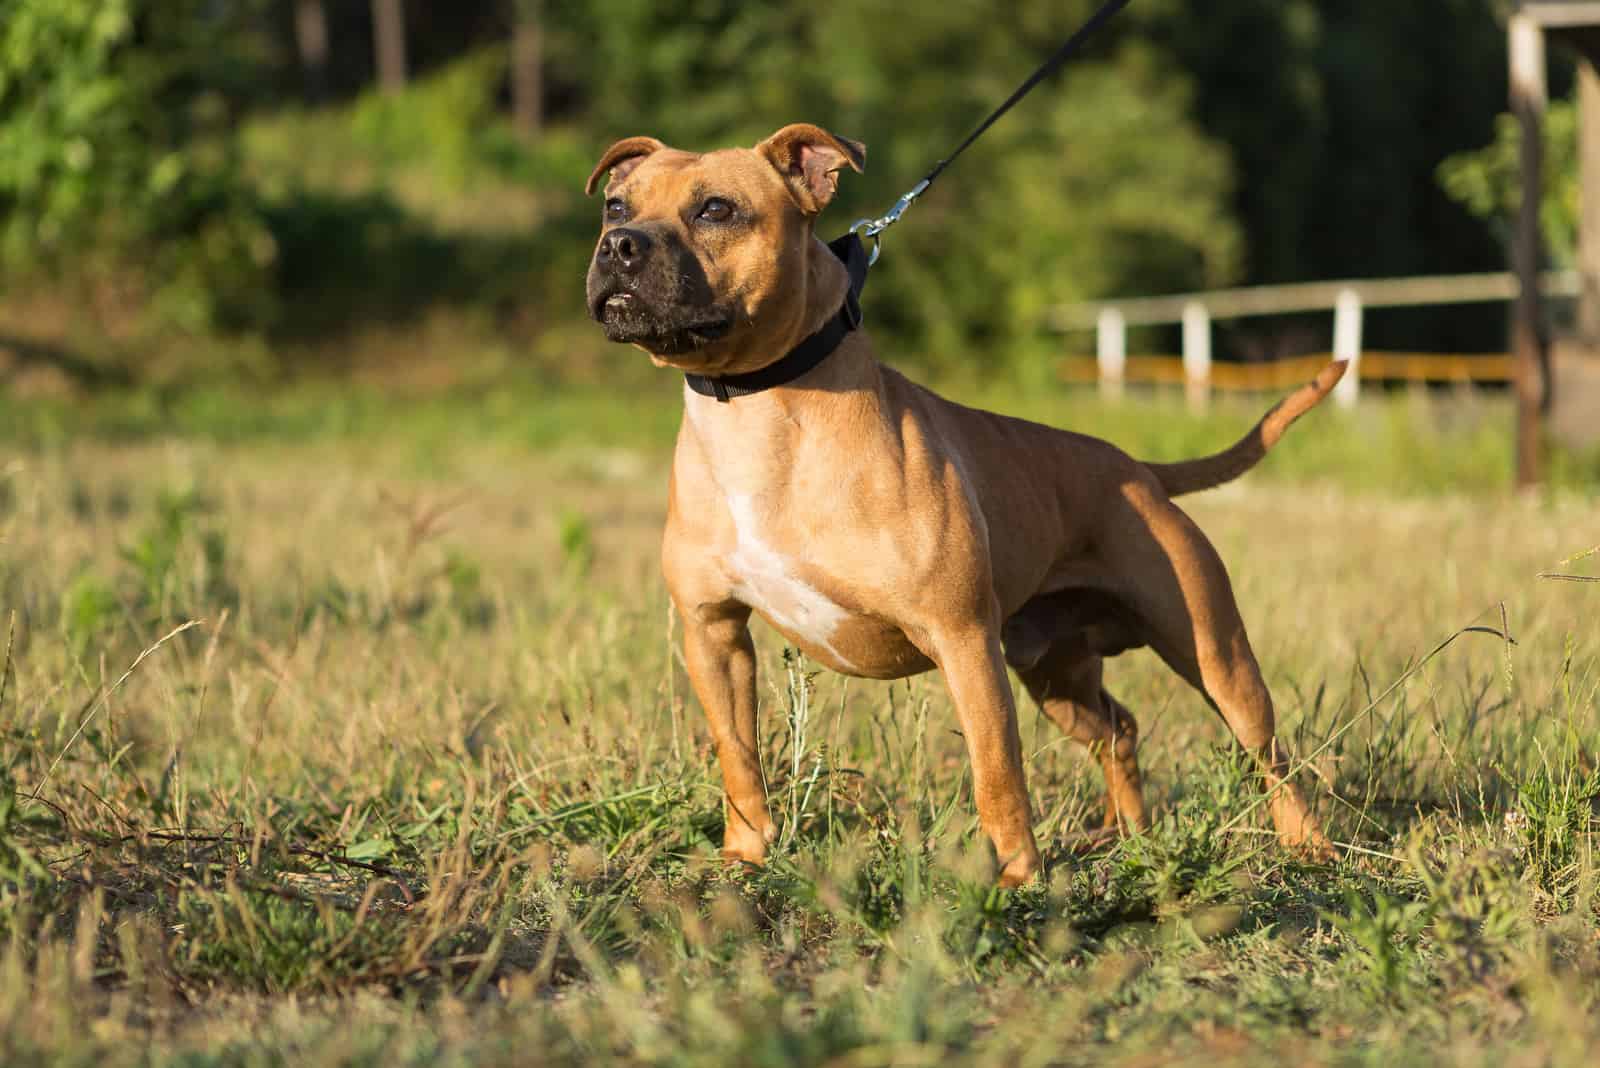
(722, 669)
(974, 669)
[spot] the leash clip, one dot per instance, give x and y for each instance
(873, 227)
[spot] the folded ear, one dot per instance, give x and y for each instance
(810, 159)
(621, 158)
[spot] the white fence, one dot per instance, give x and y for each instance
(1347, 300)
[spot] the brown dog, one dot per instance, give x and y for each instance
(884, 530)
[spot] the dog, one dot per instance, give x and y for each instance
(886, 531)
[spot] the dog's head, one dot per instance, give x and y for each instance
(706, 261)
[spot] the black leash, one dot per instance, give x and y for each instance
(873, 227)
(853, 253)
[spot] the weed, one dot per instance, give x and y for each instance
(577, 542)
(1386, 932)
(1554, 826)
(89, 609)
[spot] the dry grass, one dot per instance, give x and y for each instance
(424, 784)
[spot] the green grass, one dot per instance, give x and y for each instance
(1406, 443)
(426, 784)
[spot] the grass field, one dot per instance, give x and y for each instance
(422, 781)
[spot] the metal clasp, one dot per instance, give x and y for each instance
(873, 227)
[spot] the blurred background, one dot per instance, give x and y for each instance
(196, 193)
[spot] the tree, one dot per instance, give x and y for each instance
(527, 66)
(116, 149)
(1099, 183)
(311, 39)
(389, 41)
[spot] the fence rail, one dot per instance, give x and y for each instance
(1275, 375)
(1347, 299)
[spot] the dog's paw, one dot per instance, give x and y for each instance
(742, 843)
(1021, 869)
(1310, 844)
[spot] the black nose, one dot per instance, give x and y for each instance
(623, 250)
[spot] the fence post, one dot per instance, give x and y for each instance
(1347, 345)
(1111, 351)
(1197, 354)
(1530, 344)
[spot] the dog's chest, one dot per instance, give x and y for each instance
(794, 548)
(772, 581)
(787, 590)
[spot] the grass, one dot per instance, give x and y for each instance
(424, 784)
(1407, 443)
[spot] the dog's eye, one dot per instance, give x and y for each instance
(616, 211)
(715, 210)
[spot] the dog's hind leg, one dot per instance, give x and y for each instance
(1180, 591)
(1067, 686)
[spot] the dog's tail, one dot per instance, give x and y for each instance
(1191, 476)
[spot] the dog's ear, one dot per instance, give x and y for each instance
(621, 158)
(810, 159)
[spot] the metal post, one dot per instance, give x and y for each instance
(1347, 346)
(1197, 354)
(1111, 351)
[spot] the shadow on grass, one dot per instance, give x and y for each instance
(346, 261)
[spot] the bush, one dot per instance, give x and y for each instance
(1488, 181)
(115, 151)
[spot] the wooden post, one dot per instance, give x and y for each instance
(1347, 346)
(1588, 204)
(1528, 342)
(311, 38)
(1111, 351)
(527, 67)
(1197, 355)
(389, 40)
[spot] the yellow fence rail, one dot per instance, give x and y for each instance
(1421, 367)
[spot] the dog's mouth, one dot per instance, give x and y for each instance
(627, 318)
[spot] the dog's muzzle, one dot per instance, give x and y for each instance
(643, 294)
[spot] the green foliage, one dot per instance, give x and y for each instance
(256, 938)
(1488, 181)
(153, 158)
(468, 599)
(155, 556)
(401, 205)
(447, 122)
(1342, 110)
(576, 537)
(176, 566)
(17, 860)
(1100, 184)
(1476, 906)
(1555, 824)
(1386, 932)
(89, 608)
(115, 150)
(1185, 856)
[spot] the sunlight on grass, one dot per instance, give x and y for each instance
(425, 784)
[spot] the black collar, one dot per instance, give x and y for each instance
(810, 352)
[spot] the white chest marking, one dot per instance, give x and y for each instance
(767, 582)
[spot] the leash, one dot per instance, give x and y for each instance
(872, 228)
